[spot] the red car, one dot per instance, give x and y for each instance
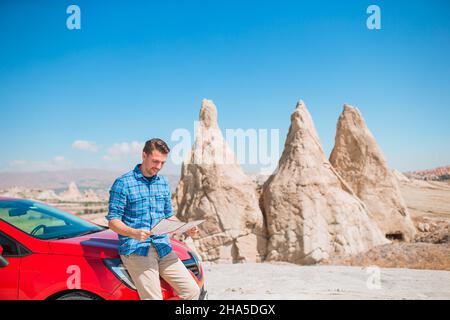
(46, 253)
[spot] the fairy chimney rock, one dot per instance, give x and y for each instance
(214, 187)
(72, 193)
(358, 159)
(311, 212)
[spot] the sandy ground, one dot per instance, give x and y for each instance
(427, 199)
(288, 281)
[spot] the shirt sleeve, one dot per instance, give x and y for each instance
(117, 201)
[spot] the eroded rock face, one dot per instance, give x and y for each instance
(359, 160)
(311, 213)
(214, 187)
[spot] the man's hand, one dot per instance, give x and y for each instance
(119, 227)
(140, 234)
(193, 233)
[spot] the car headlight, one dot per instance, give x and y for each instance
(193, 265)
(118, 269)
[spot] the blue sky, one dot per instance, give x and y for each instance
(139, 71)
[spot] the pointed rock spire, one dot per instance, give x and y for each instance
(214, 187)
(359, 160)
(311, 213)
(72, 193)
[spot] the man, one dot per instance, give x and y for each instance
(138, 200)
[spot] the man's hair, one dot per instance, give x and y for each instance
(156, 144)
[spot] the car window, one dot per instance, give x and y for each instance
(10, 248)
(31, 220)
(43, 221)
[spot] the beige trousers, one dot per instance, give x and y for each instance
(145, 272)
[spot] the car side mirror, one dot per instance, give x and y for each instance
(3, 261)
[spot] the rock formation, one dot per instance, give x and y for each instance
(48, 195)
(311, 212)
(72, 193)
(15, 192)
(90, 196)
(359, 160)
(213, 187)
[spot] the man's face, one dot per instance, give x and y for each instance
(153, 162)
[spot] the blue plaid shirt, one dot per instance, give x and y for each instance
(141, 203)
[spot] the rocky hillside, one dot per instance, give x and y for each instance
(439, 174)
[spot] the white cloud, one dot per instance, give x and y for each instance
(57, 163)
(123, 150)
(84, 145)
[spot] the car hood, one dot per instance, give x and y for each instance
(103, 244)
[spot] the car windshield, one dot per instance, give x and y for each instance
(44, 222)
